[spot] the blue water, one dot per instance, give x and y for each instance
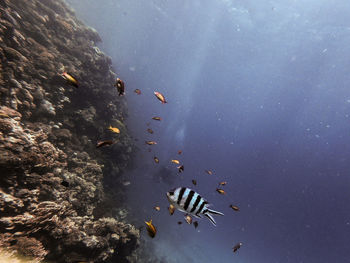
(258, 92)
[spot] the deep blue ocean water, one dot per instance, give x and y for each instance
(259, 93)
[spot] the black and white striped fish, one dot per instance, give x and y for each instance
(188, 201)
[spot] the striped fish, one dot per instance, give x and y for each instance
(190, 202)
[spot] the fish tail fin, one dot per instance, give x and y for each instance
(215, 212)
(211, 219)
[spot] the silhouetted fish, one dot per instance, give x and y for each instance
(104, 143)
(237, 246)
(120, 86)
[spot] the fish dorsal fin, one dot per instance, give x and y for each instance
(210, 218)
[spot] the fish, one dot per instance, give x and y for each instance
(188, 219)
(126, 183)
(179, 223)
(195, 223)
(157, 118)
(181, 168)
(175, 161)
(4, 115)
(179, 152)
(236, 208)
(157, 208)
(222, 183)
(151, 229)
(190, 202)
(220, 191)
(209, 172)
(120, 86)
(156, 160)
(194, 182)
(137, 91)
(151, 142)
(150, 131)
(160, 97)
(171, 209)
(114, 129)
(104, 143)
(65, 183)
(70, 79)
(237, 246)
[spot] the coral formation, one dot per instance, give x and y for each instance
(51, 174)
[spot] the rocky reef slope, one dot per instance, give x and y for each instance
(51, 174)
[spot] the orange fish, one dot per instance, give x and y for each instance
(209, 172)
(150, 131)
(188, 219)
(156, 159)
(70, 79)
(137, 91)
(223, 183)
(151, 229)
(151, 142)
(171, 209)
(236, 208)
(157, 118)
(160, 97)
(175, 161)
(103, 143)
(220, 191)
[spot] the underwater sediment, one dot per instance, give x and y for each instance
(51, 173)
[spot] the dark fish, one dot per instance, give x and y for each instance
(179, 223)
(194, 182)
(150, 131)
(190, 202)
(151, 142)
(65, 183)
(179, 152)
(160, 97)
(70, 79)
(236, 208)
(195, 223)
(120, 86)
(237, 246)
(220, 191)
(151, 229)
(157, 118)
(137, 91)
(209, 172)
(103, 143)
(181, 168)
(156, 159)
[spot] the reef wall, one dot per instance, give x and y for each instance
(51, 174)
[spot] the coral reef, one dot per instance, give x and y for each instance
(51, 174)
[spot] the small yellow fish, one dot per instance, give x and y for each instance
(157, 118)
(171, 209)
(175, 161)
(209, 172)
(157, 208)
(222, 183)
(220, 191)
(151, 142)
(70, 79)
(150, 131)
(114, 129)
(236, 208)
(188, 219)
(151, 229)
(160, 97)
(156, 159)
